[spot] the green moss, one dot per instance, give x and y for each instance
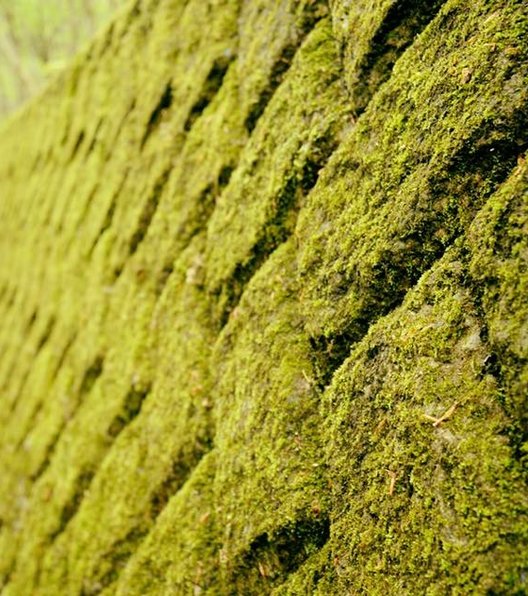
(180, 558)
(457, 484)
(269, 493)
(372, 36)
(255, 250)
(391, 199)
(281, 163)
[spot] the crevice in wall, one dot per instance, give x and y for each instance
(108, 39)
(115, 558)
(501, 364)
(36, 163)
(206, 203)
(4, 581)
(92, 373)
(77, 145)
(272, 556)
(120, 127)
(113, 563)
(178, 475)
(405, 19)
(148, 213)
(277, 230)
(164, 276)
(11, 405)
(95, 134)
(163, 105)
(471, 177)
(63, 354)
(70, 508)
(44, 338)
(82, 217)
(12, 296)
(40, 345)
(278, 71)
(280, 67)
(130, 410)
(211, 87)
(109, 215)
(180, 471)
(48, 454)
(31, 322)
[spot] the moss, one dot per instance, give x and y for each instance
(404, 166)
(457, 484)
(497, 245)
(182, 558)
(372, 36)
(265, 304)
(281, 163)
(267, 513)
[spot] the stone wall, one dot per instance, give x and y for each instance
(263, 280)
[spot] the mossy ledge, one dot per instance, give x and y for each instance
(264, 286)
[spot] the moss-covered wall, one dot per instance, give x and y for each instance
(263, 292)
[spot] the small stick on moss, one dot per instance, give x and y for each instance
(307, 378)
(447, 414)
(205, 517)
(262, 570)
(392, 484)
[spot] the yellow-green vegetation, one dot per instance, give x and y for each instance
(38, 38)
(263, 289)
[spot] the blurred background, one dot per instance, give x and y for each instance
(38, 37)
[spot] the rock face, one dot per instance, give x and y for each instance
(263, 287)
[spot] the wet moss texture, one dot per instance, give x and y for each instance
(263, 291)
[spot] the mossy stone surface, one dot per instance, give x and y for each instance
(263, 284)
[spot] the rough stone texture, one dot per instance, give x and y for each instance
(263, 285)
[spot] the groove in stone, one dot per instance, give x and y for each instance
(391, 282)
(211, 87)
(163, 105)
(147, 214)
(131, 408)
(404, 20)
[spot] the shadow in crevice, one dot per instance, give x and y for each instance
(211, 87)
(164, 104)
(92, 373)
(130, 409)
(281, 66)
(404, 20)
(77, 146)
(110, 212)
(472, 175)
(70, 508)
(192, 226)
(277, 230)
(147, 214)
(272, 556)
